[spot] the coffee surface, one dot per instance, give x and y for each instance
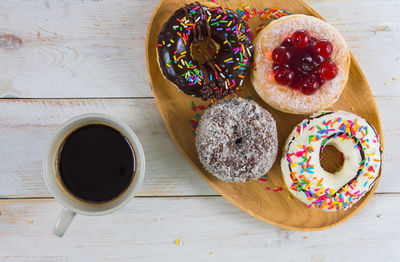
(96, 163)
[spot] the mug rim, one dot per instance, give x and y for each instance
(50, 174)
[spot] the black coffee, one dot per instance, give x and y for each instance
(96, 163)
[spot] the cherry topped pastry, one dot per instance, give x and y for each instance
(302, 62)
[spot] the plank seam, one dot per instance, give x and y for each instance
(177, 196)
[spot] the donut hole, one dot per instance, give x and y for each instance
(331, 159)
(204, 50)
(239, 140)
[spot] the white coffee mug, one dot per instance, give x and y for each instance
(73, 205)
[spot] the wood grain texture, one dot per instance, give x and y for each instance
(26, 126)
(251, 197)
(210, 228)
(369, 28)
(74, 48)
(95, 48)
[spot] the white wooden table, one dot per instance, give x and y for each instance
(59, 59)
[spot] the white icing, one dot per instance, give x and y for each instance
(332, 183)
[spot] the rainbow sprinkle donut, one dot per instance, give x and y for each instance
(301, 167)
(224, 71)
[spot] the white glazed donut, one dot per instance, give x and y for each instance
(302, 171)
(285, 98)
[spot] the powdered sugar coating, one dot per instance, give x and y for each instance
(285, 98)
(237, 140)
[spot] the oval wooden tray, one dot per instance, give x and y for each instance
(252, 197)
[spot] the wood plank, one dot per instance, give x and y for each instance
(96, 48)
(370, 28)
(75, 48)
(210, 228)
(27, 125)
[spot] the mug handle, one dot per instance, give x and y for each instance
(63, 222)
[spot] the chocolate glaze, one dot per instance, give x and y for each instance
(217, 77)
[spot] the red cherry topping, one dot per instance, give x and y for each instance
(317, 59)
(327, 70)
(309, 85)
(306, 63)
(287, 43)
(284, 75)
(281, 55)
(301, 38)
(324, 48)
(295, 83)
(313, 41)
(302, 62)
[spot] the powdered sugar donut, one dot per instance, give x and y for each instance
(288, 98)
(302, 171)
(237, 140)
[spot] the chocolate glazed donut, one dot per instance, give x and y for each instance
(220, 75)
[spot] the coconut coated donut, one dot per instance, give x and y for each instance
(283, 97)
(222, 73)
(237, 140)
(302, 171)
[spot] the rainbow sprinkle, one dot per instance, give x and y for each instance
(194, 120)
(231, 70)
(274, 13)
(300, 160)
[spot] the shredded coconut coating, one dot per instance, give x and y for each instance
(285, 98)
(237, 140)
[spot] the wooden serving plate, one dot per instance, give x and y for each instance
(252, 197)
